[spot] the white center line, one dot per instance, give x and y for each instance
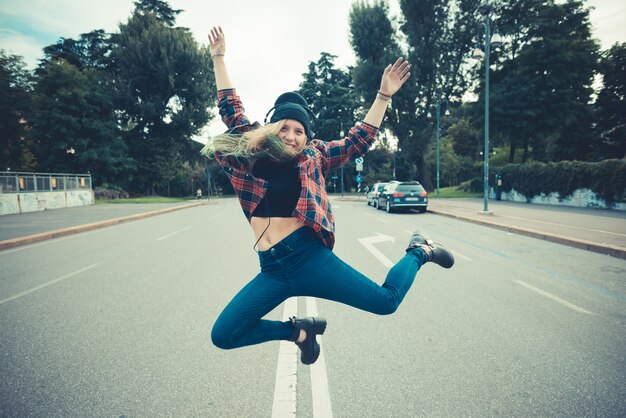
(33, 289)
(554, 298)
(172, 234)
(319, 378)
(284, 404)
(458, 254)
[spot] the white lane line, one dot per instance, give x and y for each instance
(456, 253)
(33, 289)
(284, 404)
(319, 378)
(554, 298)
(172, 234)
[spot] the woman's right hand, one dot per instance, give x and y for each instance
(217, 41)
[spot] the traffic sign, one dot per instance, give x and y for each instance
(359, 178)
(359, 160)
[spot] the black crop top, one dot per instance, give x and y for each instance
(283, 189)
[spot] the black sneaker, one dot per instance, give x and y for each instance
(309, 348)
(436, 253)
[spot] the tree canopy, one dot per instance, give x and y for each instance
(125, 105)
(15, 96)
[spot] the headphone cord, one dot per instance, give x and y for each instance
(269, 221)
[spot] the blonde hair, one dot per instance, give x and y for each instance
(262, 142)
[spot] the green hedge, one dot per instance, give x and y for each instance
(607, 179)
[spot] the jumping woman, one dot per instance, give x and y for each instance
(278, 173)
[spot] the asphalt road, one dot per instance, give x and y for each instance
(24, 224)
(116, 322)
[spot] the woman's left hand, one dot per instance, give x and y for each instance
(394, 77)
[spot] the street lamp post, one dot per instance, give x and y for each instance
(495, 41)
(438, 102)
(341, 134)
(397, 150)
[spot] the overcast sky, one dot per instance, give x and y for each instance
(269, 42)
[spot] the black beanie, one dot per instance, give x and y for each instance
(291, 105)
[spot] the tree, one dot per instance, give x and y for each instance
(466, 141)
(378, 166)
(438, 37)
(164, 86)
(91, 50)
(15, 87)
(541, 88)
(611, 107)
(160, 9)
(330, 94)
(73, 124)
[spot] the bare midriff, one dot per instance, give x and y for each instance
(279, 228)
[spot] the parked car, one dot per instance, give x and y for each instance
(372, 195)
(403, 195)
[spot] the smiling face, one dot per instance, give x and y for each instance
(293, 134)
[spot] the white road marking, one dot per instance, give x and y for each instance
(319, 378)
(458, 254)
(172, 234)
(284, 404)
(369, 242)
(554, 298)
(33, 289)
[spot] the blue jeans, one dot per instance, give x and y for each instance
(300, 265)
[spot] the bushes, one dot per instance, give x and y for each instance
(607, 179)
(109, 192)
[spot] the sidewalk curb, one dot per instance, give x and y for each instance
(607, 249)
(30, 239)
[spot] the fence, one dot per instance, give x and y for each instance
(21, 182)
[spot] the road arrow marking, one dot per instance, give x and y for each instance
(369, 242)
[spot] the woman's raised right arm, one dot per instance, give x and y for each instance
(229, 104)
(217, 43)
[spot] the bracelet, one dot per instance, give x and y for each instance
(384, 96)
(217, 55)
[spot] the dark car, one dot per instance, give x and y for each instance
(403, 195)
(372, 195)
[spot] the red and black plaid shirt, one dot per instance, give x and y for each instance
(317, 160)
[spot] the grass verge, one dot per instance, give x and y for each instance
(452, 192)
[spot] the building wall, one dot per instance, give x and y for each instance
(582, 198)
(35, 201)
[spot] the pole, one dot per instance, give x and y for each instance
(341, 135)
(486, 152)
(438, 115)
(341, 181)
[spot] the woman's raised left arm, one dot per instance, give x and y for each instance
(362, 136)
(394, 76)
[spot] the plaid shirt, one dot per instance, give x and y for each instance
(317, 160)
